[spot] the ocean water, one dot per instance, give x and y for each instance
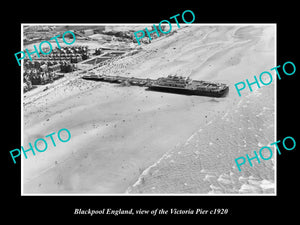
(205, 164)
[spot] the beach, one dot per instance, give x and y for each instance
(128, 140)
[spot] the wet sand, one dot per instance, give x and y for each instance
(119, 132)
(205, 163)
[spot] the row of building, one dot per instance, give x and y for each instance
(43, 72)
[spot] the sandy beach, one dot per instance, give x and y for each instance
(130, 140)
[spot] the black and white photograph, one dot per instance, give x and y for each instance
(159, 117)
(149, 111)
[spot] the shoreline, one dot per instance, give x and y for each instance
(118, 132)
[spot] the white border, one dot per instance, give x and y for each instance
(150, 24)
